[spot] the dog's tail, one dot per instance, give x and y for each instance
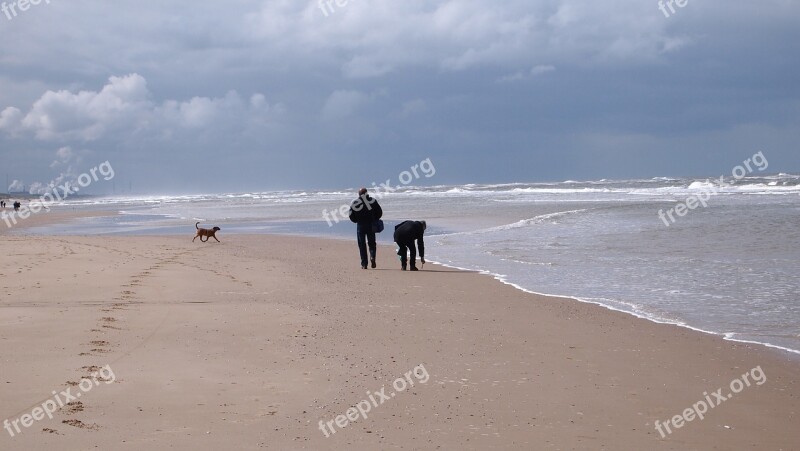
(196, 224)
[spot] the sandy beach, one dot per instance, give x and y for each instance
(265, 342)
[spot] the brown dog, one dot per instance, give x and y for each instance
(208, 233)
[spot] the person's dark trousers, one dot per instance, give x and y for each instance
(402, 253)
(366, 236)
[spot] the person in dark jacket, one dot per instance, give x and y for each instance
(364, 211)
(405, 234)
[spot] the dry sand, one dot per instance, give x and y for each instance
(248, 344)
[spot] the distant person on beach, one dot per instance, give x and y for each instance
(364, 211)
(405, 234)
(17, 205)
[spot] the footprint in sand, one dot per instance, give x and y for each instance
(71, 408)
(99, 343)
(80, 424)
(109, 320)
(93, 373)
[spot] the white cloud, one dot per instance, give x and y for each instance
(88, 115)
(10, 119)
(16, 186)
(366, 67)
(520, 75)
(372, 38)
(125, 106)
(343, 104)
(64, 156)
(542, 69)
(258, 101)
(516, 76)
(415, 106)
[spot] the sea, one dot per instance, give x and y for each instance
(729, 265)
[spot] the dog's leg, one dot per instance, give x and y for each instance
(195, 237)
(215, 237)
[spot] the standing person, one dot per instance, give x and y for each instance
(405, 234)
(364, 211)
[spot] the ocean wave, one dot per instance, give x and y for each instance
(591, 190)
(516, 225)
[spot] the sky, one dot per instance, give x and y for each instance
(208, 96)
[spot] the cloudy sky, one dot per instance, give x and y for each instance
(209, 96)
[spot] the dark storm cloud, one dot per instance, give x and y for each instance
(259, 95)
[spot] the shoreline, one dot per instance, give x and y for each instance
(725, 336)
(59, 217)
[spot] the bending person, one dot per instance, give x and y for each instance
(405, 234)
